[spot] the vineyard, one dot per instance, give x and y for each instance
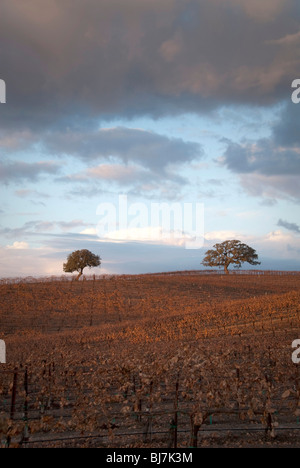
(166, 361)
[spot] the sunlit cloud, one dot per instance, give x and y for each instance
(18, 246)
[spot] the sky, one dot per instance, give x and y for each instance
(117, 108)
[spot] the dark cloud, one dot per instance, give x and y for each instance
(269, 167)
(289, 226)
(136, 160)
(268, 202)
(262, 157)
(71, 65)
(148, 149)
(128, 156)
(286, 132)
(19, 171)
(71, 62)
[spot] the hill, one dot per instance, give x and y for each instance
(114, 361)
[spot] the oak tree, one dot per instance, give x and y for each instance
(230, 252)
(79, 260)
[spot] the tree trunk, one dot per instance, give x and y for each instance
(226, 269)
(79, 275)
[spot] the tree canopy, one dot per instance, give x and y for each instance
(230, 252)
(79, 260)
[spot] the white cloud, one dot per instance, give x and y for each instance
(19, 260)
(18, 246)
(149, 234)
(278, 236)
(221, 236)
(89, 232)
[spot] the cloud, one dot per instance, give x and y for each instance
(117, 59)
(272, 188)
(171, 48)
(139, 160)
(265, 11)
(89, 232)
(289, 226)
(69, 225)
(135, 180)
(39, 227)
(116, 172)
(286, 131)
(279, 245)
(30, 228)
(22, 262)
(31, 193)
(288, 40)
(277, 236)
(72, 64)
(221, 236)
(261, 157)
(148, 149)
(16, 140)
(35, 196)
(269, 167)
(18, 246)
(73, 67)
(19, 171)
(121, 174)
(275, 249)
(117, 257)
(147, 234)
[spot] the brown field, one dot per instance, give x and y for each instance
(179, 360)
